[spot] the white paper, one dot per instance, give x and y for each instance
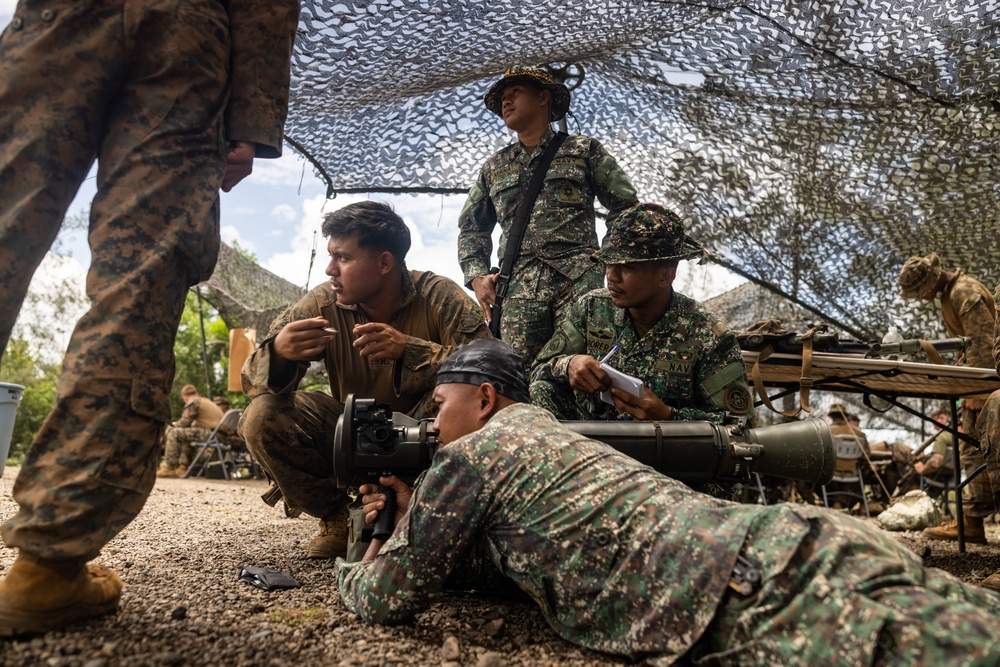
(620, 380)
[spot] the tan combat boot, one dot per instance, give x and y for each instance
(38, 595)
(975, 533)
(992, 582)
(332, 539)
(171, 471)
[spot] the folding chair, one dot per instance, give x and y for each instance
(847, 471)
(220, 449)
(942, 482)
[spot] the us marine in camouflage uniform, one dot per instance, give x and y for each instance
(689, 361)
(625, 560)
(391, 329)
(196, 423)
(988, 427)
(174, 98)
(968, 310)
(553, 267)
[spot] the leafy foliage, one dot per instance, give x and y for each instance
(39, 379)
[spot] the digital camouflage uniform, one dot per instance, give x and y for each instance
(553, 267)
(625, 560)
(290, 433)
(199, 417)
(153, 89)
(969, 310)
(690, 360)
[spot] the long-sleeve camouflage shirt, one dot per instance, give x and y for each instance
(436, 316)
(561, 231)
(618, 557)
(262, 34)
(690, 359)
(969, 310)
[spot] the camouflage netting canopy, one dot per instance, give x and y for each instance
(812, 145)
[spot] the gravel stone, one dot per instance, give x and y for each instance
(185, 550)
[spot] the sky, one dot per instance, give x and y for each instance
(276, 213)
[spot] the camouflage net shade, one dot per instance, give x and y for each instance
(812, 145)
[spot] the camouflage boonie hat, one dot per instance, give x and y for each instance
(645, 233)
(487, 360)
(919, 275)
(532, 75)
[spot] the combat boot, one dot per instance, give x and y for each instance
(975, 533)
(332, 539)
(39, 595)
(171, 471)
(992, 582)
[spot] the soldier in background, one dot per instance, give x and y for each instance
(625, 560)
(690, 362)
(988, 427)
(553, 266)
(969, 310)
(196, 422)
(174, 99)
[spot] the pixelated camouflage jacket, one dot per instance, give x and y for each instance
(433, 305)
(996, 328)
(969, 310)
(561, 231)
(619, 558)
(690, 359)
(258, 102)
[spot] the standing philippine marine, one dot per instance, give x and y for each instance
(174, 98)
(968, 309)
(380, 330)
(552, 266)
(625, 560)
(689, 361)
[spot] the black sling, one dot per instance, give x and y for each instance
(521, 217)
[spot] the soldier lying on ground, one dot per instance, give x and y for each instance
(623, 559)
(381, 331)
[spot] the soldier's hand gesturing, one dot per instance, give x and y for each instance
(485, 288)
(303, 340)
(379, 341)
(644, 408)
(586, 374)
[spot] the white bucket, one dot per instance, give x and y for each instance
(10, 398)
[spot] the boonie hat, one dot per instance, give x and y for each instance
(919, 275)
(647, 232)
(487, 360)
(532, 75)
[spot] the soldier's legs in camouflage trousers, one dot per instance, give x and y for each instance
(291, 437)
(979, 488)
(988, 428)
(178, 451)
(852, 596)
(530, 315)
(100, 80)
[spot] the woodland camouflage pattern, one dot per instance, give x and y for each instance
(988, 424)
(968, 309)
(622, 559)
(155, 89)
(690, 360)
(553, 267)
(290, 432)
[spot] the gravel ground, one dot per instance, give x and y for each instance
(183, 605)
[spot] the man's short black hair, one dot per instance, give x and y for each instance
(377, 226)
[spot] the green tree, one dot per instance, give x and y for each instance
(24, 367)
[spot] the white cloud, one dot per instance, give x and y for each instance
(56, 275)
(284, 171)
(284, 213)
(230, 235)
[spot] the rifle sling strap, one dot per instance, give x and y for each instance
(805, 378)
(931, 352)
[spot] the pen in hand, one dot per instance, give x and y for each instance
(609, 354)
